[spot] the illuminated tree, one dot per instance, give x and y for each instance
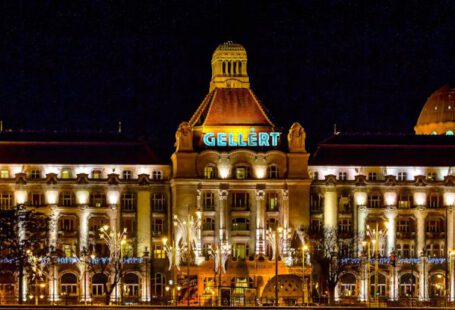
(23, 233)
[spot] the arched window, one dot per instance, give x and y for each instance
(68, 284)
(434, 200)
(347, 285)
(158, 202)
(7, 284)
(157, 175)
(158, 282)
(98, 281)
(408, 285)
(381, 290)
(449, 133)
(434, 133)
(131, 287)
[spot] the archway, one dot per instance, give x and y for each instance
(382, 286)
(408, 285)
(131, 285)
(437, 286)
(347, 285)
(290, 290)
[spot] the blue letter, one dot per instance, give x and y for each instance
(209, 139)
(264, 139)
(274, 136)
(221, 139)
(231, 141)
(241, 142)
(252, 138)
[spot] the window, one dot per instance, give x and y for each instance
(208, 201)
(342, 176)
(36, 199)
(127, 174)
(315, 226)
(97, 199)
(405, 200)
(158, 251)
(6, 201)
(344, 226)
(131, 287)
(126, 249)
(240, 250)
(4, 173)
(157, 175)
(240, 201)
(98, 281)
(316, 175)
(96, 174)
(66, 174)
(209, 172)
(434, 200)
(404, 225)
(242, 172)
(67, 224)
(272, 223)
(402, 176)
(449, 133)
(208, 224)
(66, 199)
(435, 225)
(240, 223)
(375, 200)
(372, 176)
(432, 176)
(272, 172)
(128, 201)
(69, 284)
(158, 202)
(157, 226)
(95, 223)
(68, 250)
(158, 282)
(272, 201)
(316, 202)
(129, 224)
(35, 174)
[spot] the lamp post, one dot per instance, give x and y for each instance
(278, 232)
(374, 235)
(309, 290)
(366, 289)
(147, 279)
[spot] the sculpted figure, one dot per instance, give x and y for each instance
(296, 138)
(184, 137)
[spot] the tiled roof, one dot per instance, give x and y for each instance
(385, 150)
(51, 148)
(231, 106)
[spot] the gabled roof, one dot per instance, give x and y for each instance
(51, 148)
(231, 106)
(385, 150)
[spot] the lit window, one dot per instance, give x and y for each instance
(242, 172)
(66, 173)
(209, 224)
(158, 252)
(432, 176)
(402, 176)
(272, 201)
(98, 199)
(272, 172)
(127, 174)
(209, 172)
(405, 200)
(68, 250)
(96, 174)
(434, 133)
(240, 223)
(157, 175)
(449, 133)
(4, 174)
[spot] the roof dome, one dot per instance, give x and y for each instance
(438, 113)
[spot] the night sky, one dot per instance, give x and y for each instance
(366, 66)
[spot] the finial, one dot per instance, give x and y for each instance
(119, 126)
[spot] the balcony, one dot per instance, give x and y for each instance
(406, 234)
(208, 208)
(240, 208)
(435, 235)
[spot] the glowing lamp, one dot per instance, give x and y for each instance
(449, 199)
(52, 197)
(420, 199)
(360, 198)
(20, 196)
(113, 197)
(390, 198)
(82, 197)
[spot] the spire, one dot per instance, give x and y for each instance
(229, 67)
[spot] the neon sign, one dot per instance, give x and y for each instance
(253, 138)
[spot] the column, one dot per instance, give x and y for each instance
(260, 222)
(363, 290)
(391, 214)
(423, 277)
(144, 218)
(421, 215)
(53, 236)
(146, 276)
(393, 284)
(363, 214)
(330, 208)
(223, 195)
(199, 257)
(83, 244)
(285, 221)
(20, 197)
(452, 277)
(449, 204)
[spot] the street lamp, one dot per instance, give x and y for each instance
(375, 235)
(305, 249)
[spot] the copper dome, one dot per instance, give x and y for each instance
(438, 113)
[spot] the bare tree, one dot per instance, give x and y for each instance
(110, 269)
(23, 233)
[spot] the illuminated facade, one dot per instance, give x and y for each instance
(240, 192)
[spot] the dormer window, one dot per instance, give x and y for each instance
(432, 176)
(402, 176)
(242, 172)
(35, 174)
(96, 174)
(127, 174)
(157, 175)
(272, 172)
(209, 172)
(66, 174)
(4, 173)
(372, 176)
(342, 176)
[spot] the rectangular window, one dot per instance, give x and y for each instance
(208, 202)
(273, 172)
(129, 224)
(405, 201)
(432, 176)
(272, 201)
(158, 202)
(344, 226)
(375, 200)
(66, 199)
(402, 176)
(67, 225)
(157, 175)
(208, 224)
(316, 202)
(240, 201)
(66, 174)
(240, 223)
(68, 250)
(4, 173)
(209, 172)
(272, 223)
(157, 226)
(98, 199)
(128, 202)
(372, 176)
(96, 174)
(6, 201)
(158, 252)
(242, 173)
(127, 174)
(37, 199)
(434, 200)
(240, 250)
(342, 176)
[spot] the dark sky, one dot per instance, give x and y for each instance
(365, 65)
